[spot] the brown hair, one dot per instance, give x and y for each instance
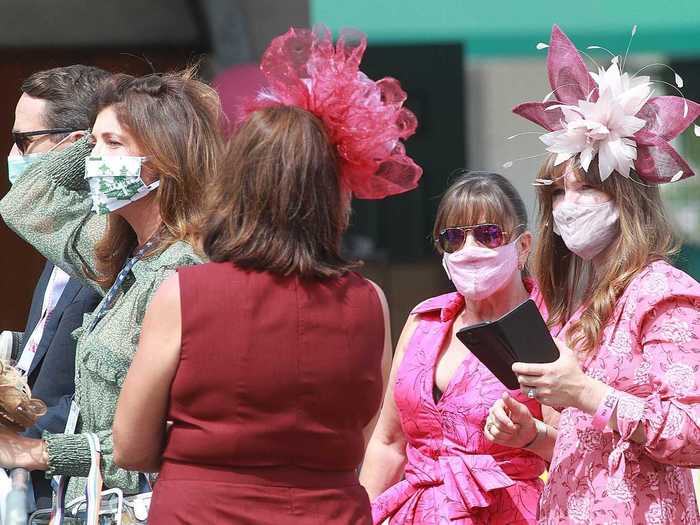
(70, 93)
(480, 197)
(645, 236)
(278, 204)
(176, 121)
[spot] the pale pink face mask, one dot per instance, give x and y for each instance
(586, 229)
(479, 272)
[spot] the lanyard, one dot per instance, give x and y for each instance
(111, 296)
(94, 481)
(54, 288)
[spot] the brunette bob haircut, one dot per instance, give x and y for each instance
(278, 205)
(476, 197)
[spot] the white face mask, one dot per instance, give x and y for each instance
(115, 181)
(480, 272)
(587, 229)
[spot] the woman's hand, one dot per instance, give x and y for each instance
(17, 451)
(510, 423)
(561, 383)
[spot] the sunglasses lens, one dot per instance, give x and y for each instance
(22, 142)
(19, 142)
(451, 239)
(489, 235)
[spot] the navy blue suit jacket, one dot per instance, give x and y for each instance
(51, 375)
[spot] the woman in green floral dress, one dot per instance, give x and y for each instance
(120, 210)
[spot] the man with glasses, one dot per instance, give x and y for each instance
(55, 109)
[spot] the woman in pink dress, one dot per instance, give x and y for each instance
(627, 383)
(430, 428)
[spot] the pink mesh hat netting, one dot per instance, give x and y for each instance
(610, 116)
(365, 119)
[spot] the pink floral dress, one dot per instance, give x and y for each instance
(454, 475)
(651, 355)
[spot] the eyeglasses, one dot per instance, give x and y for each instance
(24, 138)
(489, 235)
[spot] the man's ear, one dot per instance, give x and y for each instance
(75, 136)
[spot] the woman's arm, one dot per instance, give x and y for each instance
(667, 422)
(543, 444)
(563, 383)
(69, 454)
(17, 451)
(511, 424)
(386, 358)
(50, 207)
(385, 456)
(550, 416)
(140, 420)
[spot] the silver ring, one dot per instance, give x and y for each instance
(531, 393)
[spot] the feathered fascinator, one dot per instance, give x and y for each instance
(365, 120)
(611, 115)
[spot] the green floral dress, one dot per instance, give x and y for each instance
(50, 207)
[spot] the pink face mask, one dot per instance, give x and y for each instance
(587, 229)
(479, 272)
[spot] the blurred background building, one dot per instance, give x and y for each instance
(464, 65)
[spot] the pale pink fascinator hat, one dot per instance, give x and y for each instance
(610, 117)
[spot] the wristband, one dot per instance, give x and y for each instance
(541, 429)
(605, 409)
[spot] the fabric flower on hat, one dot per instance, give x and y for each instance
(609, 115)
(365, 119)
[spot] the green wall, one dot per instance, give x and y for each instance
(513, 27)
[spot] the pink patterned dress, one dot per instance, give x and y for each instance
(651, 354)
(454, 475)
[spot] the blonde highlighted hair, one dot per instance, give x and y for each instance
(567, 281)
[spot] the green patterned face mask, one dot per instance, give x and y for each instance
(115, 181)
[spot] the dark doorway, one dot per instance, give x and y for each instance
(397, 229)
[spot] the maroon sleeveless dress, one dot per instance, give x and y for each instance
(278, 376)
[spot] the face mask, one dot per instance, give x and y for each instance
(18, 164)
(479, 272)
(587, 229)
(115, 182)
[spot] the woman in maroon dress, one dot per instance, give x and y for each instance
(271, 360)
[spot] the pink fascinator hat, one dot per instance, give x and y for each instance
(365, 119)
(610, 117)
